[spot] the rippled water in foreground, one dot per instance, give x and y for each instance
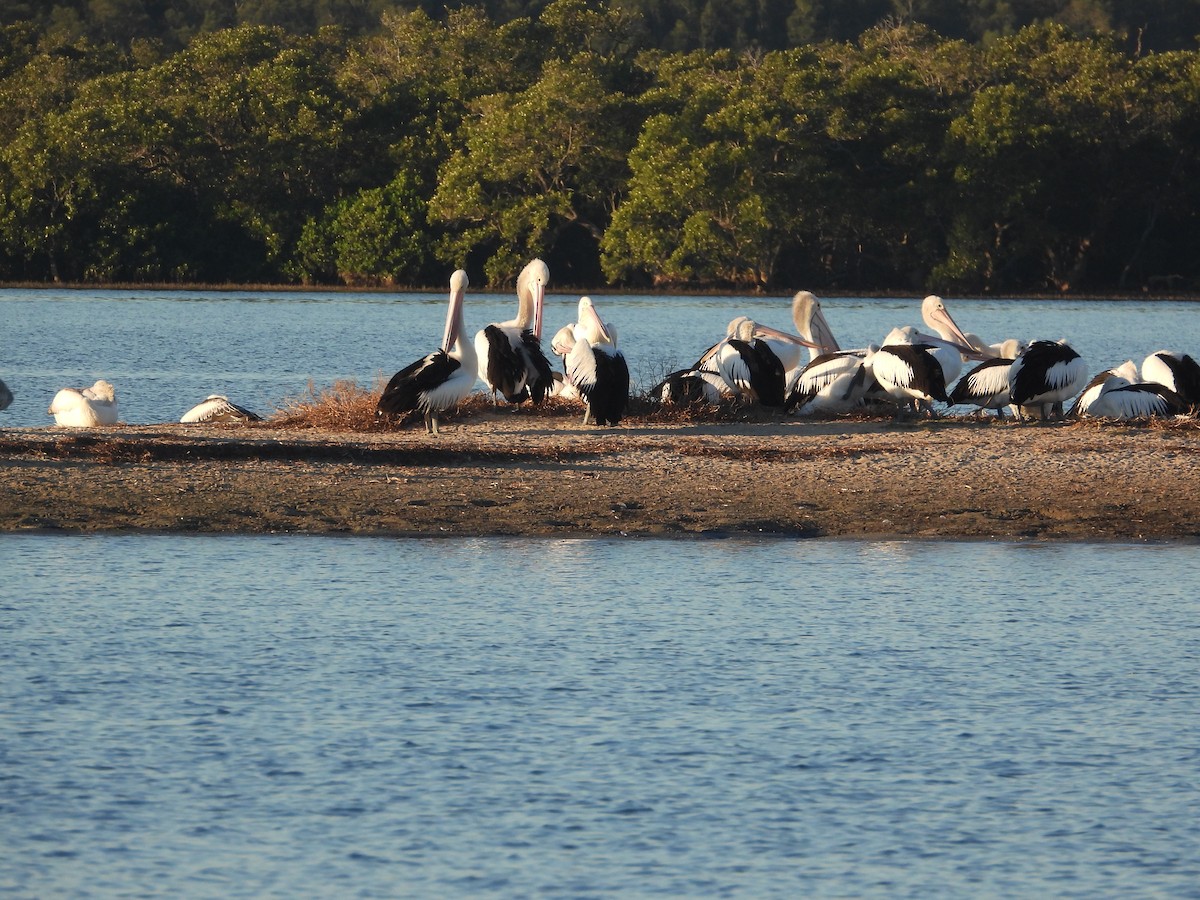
(286, 717)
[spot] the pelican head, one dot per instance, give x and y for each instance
(563, 340)
(531, 293)
(591, 325)
(1127, 370)
(1010, 349)
(810, 322)
(936, 316)
(102, 391)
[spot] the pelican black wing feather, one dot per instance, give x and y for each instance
(542, 376)
(767, 375)
(505, 366)
(609, 396)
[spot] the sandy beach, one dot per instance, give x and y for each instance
(525, 473)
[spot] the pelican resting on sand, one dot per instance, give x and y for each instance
(86, 408)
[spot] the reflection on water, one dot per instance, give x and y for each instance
(165, 351)
(286, 716)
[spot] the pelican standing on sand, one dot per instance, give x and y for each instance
(986, 385)
(96, 405)
(1046, 375)
(442, 379)
(510, 357)
(597, 368)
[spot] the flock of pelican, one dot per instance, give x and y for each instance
(806, 373)
(907, 372)
(910, 370)
(508, 358)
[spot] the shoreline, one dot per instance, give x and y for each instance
(525, 474)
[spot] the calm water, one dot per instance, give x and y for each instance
(301, 717)
(165, 351)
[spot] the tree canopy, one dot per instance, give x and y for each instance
(370, 143)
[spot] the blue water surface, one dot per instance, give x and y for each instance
(164, 351)
(283, 716)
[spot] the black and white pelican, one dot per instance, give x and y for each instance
(702, 382)
(986, 385)
(832, 383)
(6, 396)
(688, 386)
(1044, 376)
(833, 380)
(1177, 371)
(749, 366)
(1112, 395)
(510, 358)
(218, 409)
(440, 380)
(86, 408)
(908, 369)
(597, 368)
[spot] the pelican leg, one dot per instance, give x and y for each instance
(587, 413)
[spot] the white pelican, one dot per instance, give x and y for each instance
(1046, 375)
(986, 385)
(6, 396)
(1111, 395)
(510, 357)
(217, 408)
(85, 408)
(597, 368)
(440, 380)
(1128, 374)
(561, 344)
(935, 315)
(1177, 371)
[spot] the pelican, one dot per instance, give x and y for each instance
(688, 386)
(440, 380)
(96, 405)
(6, 396)
(561, 344)
(814, 333)
(749, 366)
(702, 382)
(217, 408)
(1112, 395)
(510, 357)
(1046, 375)
(1127, 372)
(1177, 371)
(597, 368)
(910, 371)
(832, 382)
(935, 315)
(986, 385)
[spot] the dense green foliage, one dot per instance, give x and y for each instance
(245, 142)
